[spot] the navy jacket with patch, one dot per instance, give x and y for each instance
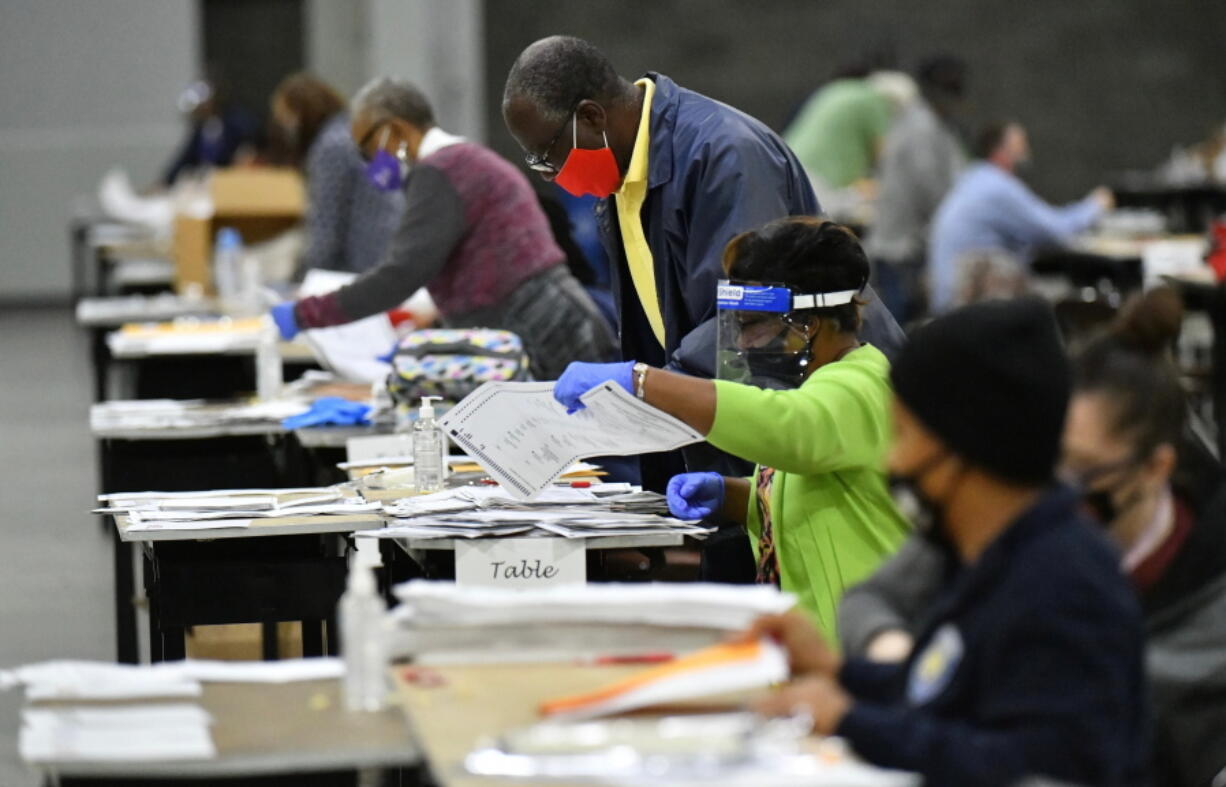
(1030, 664)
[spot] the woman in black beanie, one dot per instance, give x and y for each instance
(1161, 495)
(1030, 659)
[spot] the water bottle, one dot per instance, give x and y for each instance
(429, 464)
(227, 257)
(269, 375)
(362, 614)
(250, 286)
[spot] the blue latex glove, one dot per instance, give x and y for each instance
(580, 377)
(330, 411)
(287, 323)
(695, 495)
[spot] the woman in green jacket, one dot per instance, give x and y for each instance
(818, 509)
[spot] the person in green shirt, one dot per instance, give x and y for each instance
(818, 509)
(839, 130)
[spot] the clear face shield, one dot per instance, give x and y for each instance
(764, 332)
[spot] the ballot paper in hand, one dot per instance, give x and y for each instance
(525, 440)
(351, 350)
(720, 669)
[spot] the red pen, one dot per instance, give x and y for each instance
(580, 484)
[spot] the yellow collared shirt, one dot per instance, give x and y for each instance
(630, 198)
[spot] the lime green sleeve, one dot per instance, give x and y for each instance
(837, 421)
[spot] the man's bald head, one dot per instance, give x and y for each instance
(556, 73)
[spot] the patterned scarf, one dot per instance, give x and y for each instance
(768, 561)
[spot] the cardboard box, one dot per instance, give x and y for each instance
(258, 202)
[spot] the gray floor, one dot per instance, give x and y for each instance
(55, 585)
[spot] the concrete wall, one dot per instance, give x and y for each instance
(438, 44)
(1103, 85)
(84, 86)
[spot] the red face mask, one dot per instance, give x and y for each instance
(589, 171)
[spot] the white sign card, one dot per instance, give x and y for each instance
(520, 562)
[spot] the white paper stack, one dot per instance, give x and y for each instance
(727, 607)
(145, 732)
(212, 510)
(162, 414)
(604, 510)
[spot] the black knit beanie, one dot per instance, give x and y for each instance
(991, 381)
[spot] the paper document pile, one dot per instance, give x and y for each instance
(187, 336)
(229, 508)
(148, 732)
(139, 731)
(720, 669)
(525, 440)
(727, 607)
(479, 511)
(442, 622)
(159, 414)
(99, 680)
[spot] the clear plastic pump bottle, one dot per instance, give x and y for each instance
(429, 464)
(362, 616)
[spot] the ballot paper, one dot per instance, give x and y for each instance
(720, 669)
(96, 680)
(161, 414)
(604, 510)
(728, 607)
(352, 350)
(525, 440)
(136, 525)
(116, 734)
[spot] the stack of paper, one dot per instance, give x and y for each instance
(98, 680)
(186, 336)
(229, 508)
(146, 732)
(141, 731)
(160, 414)
(726, 607)
(720, 669)
(473, 512)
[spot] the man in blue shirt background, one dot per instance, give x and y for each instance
(990, 209)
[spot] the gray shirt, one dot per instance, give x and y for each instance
(919, 162)
(348, 221)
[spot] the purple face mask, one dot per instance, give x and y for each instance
(385, 171)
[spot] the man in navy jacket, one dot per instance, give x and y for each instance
(679, 175)
(1030, 660)
(710, 173)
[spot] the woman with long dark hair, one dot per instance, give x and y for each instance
(349, 222)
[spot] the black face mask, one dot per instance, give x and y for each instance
(775, 366)
(1101, 504)
(926, 514)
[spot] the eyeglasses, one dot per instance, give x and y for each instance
(539, 162)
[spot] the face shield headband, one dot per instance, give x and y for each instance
(764, 332)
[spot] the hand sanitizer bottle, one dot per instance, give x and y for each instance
(428, 443)
(362, 614)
